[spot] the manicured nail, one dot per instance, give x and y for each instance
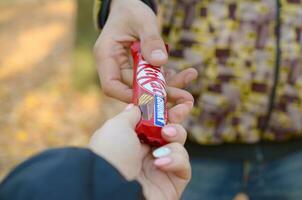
(169, 131)
(161, 152)
(158, 54)
(162, 161)
(129, 106)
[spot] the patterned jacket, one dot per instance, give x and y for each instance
(249, 57)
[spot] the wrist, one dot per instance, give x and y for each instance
(124, 168)
(126, 163)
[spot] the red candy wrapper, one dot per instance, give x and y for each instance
(149, 93)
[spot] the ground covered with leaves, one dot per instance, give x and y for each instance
(49, 92)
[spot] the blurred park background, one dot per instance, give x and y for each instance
(49, 88)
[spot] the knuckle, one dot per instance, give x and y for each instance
(108, 93)
(182, 151)
(177, 147)
(182, 131)
(150, 33)
(186, 154)
(153, 38)
(181, 128)
(183, 156)
(178, 116)
(106, 90)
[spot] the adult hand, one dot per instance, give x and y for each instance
(129, 21)
(163, 172)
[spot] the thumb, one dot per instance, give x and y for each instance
(131, 116)
(152, 45)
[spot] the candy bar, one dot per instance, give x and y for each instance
(149, 93)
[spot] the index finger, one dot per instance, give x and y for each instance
(110, 57)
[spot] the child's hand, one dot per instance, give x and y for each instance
(128, 21)
(163, 173)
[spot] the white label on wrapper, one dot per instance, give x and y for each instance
(151, 79)
(159, 111)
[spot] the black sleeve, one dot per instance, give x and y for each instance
(103, 11)
(67, 174)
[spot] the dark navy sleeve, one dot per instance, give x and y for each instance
(104, 8)
(67, 174)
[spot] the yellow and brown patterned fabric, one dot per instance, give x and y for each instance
(234, 46)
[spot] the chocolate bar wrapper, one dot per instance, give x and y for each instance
(149, 93)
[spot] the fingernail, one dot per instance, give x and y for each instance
(169, 131)
(161, 152)
(158, 54)
(162, 161)
(129, 106)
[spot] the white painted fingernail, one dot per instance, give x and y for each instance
(161, 152)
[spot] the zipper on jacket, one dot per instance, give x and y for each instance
(272, 97)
